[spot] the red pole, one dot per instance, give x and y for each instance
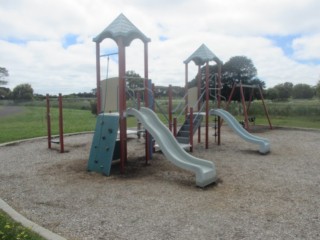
(207, 105)
(219, 101)
(153, 97)
(139, 105)
(175, 127)
(186, 90)
(265, 108)
(191, 129)
(98, 77)
(199, 103)
(146, 97)
(170, 107)
(122, 105)
(61, 124)
(231, 95)
(250, 99)
(246, 125)
(48, 121)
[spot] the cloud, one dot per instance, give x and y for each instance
(49, 43)
(307, 48)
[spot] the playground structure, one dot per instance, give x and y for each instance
(106, 146)
(48, 115)
(245, 107)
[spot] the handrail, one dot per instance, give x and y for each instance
(183, 110)
(154, 100)
(128, 90)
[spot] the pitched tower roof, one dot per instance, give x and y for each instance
(121, 27)
(202, 55)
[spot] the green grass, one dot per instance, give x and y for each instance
(32, 122)
(9, 230)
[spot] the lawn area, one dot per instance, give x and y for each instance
(9, 230)
(32, 123)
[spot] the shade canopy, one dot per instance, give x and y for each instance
(202, 55)
(121, 27)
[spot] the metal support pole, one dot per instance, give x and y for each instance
(122, 105)
(265, 108)
(175, 127)
(231, 95)
(170, 107)
(186, 90)
(146, 98)
(48, 121)
(139, 105)
(219, 100)
(61, 124)
(246, 124)
(250, 99)
(191, 129)
(207, 105)
(199, 101)
(98, 93)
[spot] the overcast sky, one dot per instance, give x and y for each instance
(49, 43)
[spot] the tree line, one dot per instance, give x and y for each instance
(236, 70)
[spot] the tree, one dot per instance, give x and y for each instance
(272, 93)
(302, 91)
(318, 89)
(240, 69)
(4, 93)
(22, 92)
(134, 80)
(284, 90)
(3, 74)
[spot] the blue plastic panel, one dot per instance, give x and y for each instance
(103, 143)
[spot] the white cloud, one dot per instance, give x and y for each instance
(229, 28)
(307, 47)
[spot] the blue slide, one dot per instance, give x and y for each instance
(205, 170)
(264, 144)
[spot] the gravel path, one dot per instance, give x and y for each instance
(274, 196)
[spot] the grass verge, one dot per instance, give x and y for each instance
(9, 230)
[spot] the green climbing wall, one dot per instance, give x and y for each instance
(104, 146)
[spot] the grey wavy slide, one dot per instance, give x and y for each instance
(204, 170)
(264, 144)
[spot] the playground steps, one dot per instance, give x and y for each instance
(183, 135)
(105, 146)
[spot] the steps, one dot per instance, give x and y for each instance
(183, 135)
